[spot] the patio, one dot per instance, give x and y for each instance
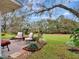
(15, 46)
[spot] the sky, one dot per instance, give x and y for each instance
(56, 12)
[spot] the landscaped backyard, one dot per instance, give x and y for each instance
(55, 48)
(39, 29)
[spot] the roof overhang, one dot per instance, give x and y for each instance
(8, 6)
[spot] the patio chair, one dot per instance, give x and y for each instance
(19, 36)
(30, 37)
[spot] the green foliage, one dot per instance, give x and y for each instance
(37, 36)
(60, 25)
(75, 34)
(75, 37)
(8, 36)
(32, 46)
(3, 34)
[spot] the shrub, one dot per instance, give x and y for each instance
(3, 34)
(75, 37)
(33, 46)
(35, 38)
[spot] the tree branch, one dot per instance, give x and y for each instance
(60, 6)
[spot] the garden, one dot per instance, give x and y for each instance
(39, 30)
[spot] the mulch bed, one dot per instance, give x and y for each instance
(40, 45)
(74, 49)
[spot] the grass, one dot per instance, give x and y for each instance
(7, 36)
(55, 48)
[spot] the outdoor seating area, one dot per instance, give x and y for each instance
(18, 48)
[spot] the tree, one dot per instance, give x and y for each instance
(5, 22)
(60, 25)
(16, 24)
(76, 13)
(66, 25)
(38, 26)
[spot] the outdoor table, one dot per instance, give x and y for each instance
(5, 43)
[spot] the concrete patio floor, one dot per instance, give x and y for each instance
(15, 46)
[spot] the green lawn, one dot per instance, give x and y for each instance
(55, 48)
(7, 36)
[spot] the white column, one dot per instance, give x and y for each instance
(0, 35)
